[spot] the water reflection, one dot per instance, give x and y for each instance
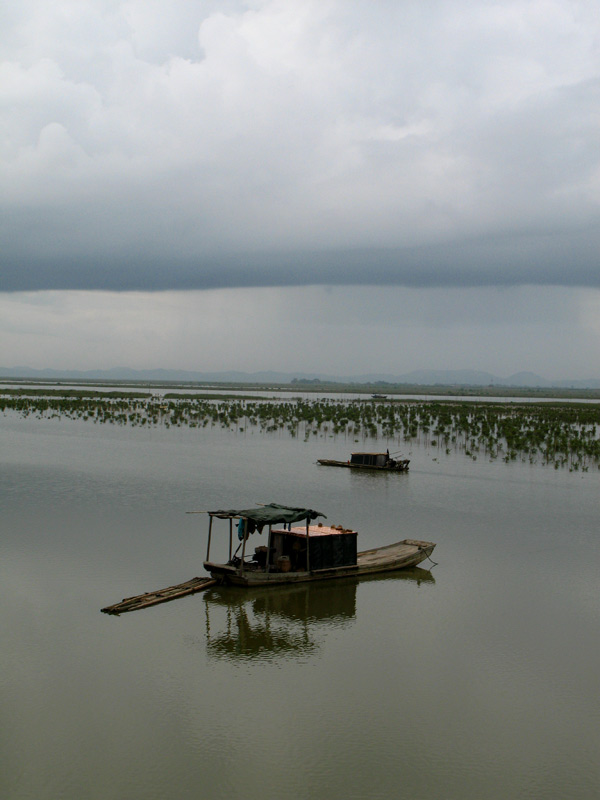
(271, 624)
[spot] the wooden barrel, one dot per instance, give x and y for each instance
(284, 564)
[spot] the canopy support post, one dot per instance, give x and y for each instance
(209, 535)
(268, 564)
(230, 536)
(244, 544)
(307, 546)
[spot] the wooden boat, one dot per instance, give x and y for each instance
(373, 461)
(293, 555)
(302, 553)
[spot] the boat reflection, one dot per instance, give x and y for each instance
(284, 622)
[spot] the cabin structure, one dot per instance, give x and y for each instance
(329, 548)
(308, 548)
(370, 459)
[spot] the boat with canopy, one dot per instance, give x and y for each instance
(370, 461)
(306, 552)
(293, 554)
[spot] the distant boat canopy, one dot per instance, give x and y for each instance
(370, 459)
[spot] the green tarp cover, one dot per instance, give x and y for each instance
(271, 514)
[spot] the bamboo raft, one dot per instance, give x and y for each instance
(161, 596)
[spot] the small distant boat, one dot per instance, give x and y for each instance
(379, 396)
(303, 553)
(376, 461)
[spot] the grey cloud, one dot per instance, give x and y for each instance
(543, 259)
(231, 144)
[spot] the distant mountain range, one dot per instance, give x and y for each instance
(415, 378)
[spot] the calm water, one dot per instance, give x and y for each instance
(278, 394)
(478, 679)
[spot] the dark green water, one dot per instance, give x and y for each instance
(478, 679)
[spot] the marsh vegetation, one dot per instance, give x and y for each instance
(560, 434)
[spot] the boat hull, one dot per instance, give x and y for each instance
(401, 466)
(401, 555)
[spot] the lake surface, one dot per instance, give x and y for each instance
(280, 394)
(477, 679)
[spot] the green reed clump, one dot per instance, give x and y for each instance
(557, 434)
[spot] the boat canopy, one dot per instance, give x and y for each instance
(370, 459)
(271, 514)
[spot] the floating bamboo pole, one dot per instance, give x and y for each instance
(161, 596)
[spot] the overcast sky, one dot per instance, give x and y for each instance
(321, 186)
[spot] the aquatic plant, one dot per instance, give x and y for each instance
(551, 433)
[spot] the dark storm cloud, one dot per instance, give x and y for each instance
(284, 143)
(561, 260)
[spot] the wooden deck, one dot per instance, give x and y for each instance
(394, 556)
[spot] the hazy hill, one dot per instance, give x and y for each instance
(417, 377)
